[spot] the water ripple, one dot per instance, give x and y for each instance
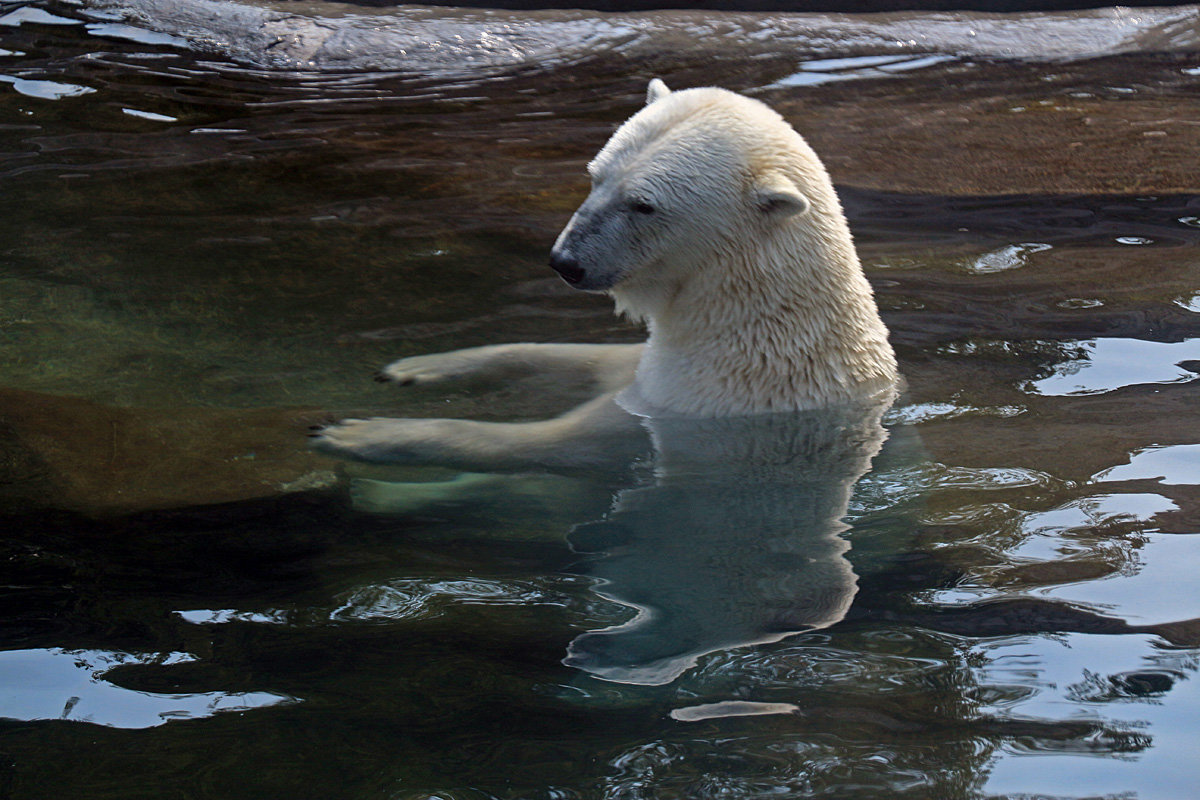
(883, 664)
(414, 598)
(1012, 256)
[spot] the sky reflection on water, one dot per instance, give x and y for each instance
(57, 684)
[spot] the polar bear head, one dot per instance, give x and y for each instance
(698, 181)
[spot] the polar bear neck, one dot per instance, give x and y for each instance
(788, 327)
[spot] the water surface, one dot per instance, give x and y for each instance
(207, 246)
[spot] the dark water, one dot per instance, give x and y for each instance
(202, 255)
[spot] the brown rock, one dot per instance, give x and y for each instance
(73, 454)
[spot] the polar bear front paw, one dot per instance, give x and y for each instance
(440, 367)
(415, 371)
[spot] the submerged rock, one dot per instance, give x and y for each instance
(447, 41)
(72, 454)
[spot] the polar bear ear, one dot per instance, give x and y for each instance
(776, 196)
(656, 91)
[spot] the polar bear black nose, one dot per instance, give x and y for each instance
(567, 267)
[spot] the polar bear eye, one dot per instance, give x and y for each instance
(641, 207)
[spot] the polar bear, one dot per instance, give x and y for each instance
(712, 221)
(757, 398)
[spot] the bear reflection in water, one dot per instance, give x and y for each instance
(735, 539)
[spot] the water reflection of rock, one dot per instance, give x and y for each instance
(734, 541)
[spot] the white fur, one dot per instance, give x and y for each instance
(744, 271)
(713, 221)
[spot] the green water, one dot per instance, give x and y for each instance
(196, 606)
